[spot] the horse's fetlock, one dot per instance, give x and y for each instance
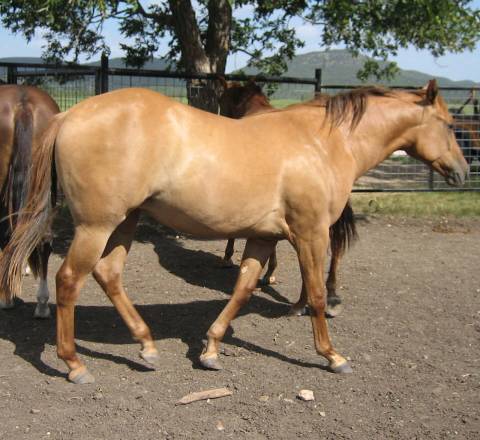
(141, 332)
(65, 354)
(215, 331)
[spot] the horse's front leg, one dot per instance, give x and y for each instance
(254, 258)
(311, 255)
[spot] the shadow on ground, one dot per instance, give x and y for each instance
(101, 324)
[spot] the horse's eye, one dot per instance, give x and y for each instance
(451, 126)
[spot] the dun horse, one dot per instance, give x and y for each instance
(24, 114)
(239, 101)
(279, 175)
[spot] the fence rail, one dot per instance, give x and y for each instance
(399, 173)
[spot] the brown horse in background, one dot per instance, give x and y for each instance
(239, 101)
(25, 112)
(279, 175)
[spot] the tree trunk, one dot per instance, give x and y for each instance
(196, 58)
(204, 94)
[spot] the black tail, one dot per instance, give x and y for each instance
(344, 231)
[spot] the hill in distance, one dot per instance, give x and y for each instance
(338, 68)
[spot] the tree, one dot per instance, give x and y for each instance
(201, 34)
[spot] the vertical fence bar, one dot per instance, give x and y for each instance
(104, 72)
(12, 74)
(101, 76)
(318, 83)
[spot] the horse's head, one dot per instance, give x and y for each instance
(433, 140)
(236, 98)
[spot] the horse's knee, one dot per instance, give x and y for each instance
(66, 283)
(109, 277)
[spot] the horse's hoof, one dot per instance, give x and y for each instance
(7, 305)
(298, 311)
(80, 376)
(42, 312)
(343, 368)
(152, 358)
(333, 310)
(227, 263)
(266, 281)
(211, 363)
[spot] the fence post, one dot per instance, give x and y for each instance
(431, 180)
(101, 76)
(318, 83)
(12, 75)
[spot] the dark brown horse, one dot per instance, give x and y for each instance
(24, 114)
(239, 101)
(282, 175)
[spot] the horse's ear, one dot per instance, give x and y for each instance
(431, 91)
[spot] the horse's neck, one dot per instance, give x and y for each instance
(381, 131)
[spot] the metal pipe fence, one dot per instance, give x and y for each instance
(399, 173)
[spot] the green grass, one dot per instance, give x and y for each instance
(281, 103)
(447, 204)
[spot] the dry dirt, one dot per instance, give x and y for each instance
(411, 326)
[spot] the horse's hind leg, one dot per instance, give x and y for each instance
(85, 251)
(4, 239)
(334, 302)
(254, 258)
(108, 273)
(42, 310)
(268, 278)
(300, 307)
(227, 258)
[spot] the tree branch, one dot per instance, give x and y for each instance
(218, 33)
(186, 29)
(141, 10)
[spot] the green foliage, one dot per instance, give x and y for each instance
(266, 32)
(381, 27)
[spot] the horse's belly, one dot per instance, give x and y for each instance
(215, 224)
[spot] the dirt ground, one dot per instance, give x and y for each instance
(410, 325)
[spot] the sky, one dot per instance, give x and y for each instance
(461, 66)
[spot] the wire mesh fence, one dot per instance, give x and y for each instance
(399, 172)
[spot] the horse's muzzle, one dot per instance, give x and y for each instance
(457, 177)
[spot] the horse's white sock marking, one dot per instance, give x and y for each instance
(42, 310)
